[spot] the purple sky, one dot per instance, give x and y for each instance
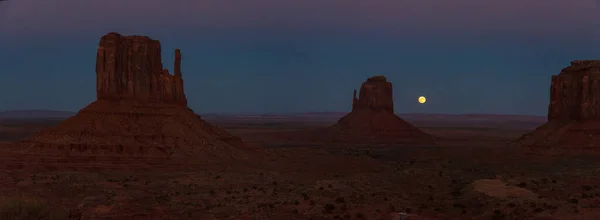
(467, 56)
(25, 17)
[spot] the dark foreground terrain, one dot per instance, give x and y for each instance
(472, 173)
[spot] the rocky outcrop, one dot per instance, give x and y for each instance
(574, 109)
(140, 112)
(575, 92)
(375, 95)
(130, 68)
(372, 118)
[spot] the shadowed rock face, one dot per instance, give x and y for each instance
(373, 117)
(130, 68)
(575, 92)
(375, 95)
(574, 109)
(141, 111)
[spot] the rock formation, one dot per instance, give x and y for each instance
(130, 68)
(574, 109)
(373, 117)
(140, 111)
(375, 95)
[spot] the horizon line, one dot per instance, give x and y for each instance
(298, 113)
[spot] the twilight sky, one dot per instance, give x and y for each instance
(284, 56)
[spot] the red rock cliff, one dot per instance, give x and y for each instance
(575, 92)
(574, 109)
(130, 68)
(141, 112)
(375, 95)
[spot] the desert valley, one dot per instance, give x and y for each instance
(139, 152)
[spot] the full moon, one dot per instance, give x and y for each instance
(422, 99)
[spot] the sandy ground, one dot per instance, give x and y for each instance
(471, 174)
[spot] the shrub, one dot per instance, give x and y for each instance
(329, 208)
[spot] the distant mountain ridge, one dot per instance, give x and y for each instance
(427, 116)
(37, 113)
(420, 119)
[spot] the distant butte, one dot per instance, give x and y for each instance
(373, 120)
(140, 111)
(574, 110)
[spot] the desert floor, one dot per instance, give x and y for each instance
(473, 173)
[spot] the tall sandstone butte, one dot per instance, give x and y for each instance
(574, 109)
(140, 111)
(130, 68)
(372, 117)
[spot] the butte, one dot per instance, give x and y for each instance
(141, 111)
(372, 119)
(574, 110)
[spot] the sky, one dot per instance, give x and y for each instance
(284, 56)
